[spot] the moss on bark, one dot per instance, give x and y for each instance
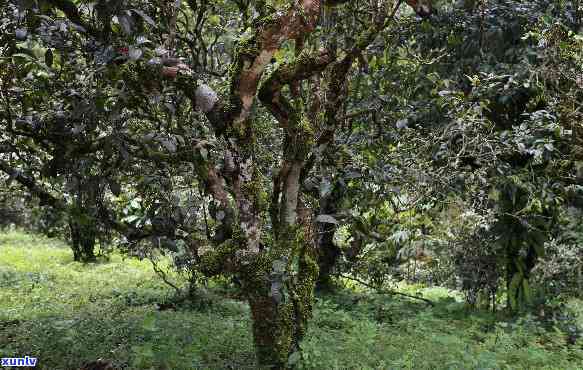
(281, 296)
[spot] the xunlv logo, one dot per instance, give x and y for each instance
(18, 361)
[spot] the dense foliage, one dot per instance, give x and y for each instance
(297, 145)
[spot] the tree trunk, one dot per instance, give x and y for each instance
(518, 271)
(82, 241)
(281, 296)
(328, 254)
(273, 334)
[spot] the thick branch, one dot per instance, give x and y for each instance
(45, 197)
(72, 13)
(207, 173)
(300, 69)
(255, 53)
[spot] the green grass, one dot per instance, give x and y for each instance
(66, 313)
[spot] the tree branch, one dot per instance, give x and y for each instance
(384, 291)
(45, 197)
(303, 67)
(72, 13)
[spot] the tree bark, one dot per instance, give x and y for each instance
(328, 252)
(278, 271)
(280, 292)
(82, 241)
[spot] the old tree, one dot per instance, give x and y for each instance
(241, 99)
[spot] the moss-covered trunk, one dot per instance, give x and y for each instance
(518, 269)
(273, 333)
(280, 290)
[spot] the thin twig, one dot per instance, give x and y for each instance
(163, 275)
(384, 291)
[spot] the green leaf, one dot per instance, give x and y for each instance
(131, 218)
(214, 19)
(23, 56)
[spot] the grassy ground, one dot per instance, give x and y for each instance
(66, 313)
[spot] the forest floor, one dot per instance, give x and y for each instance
(66, 313)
